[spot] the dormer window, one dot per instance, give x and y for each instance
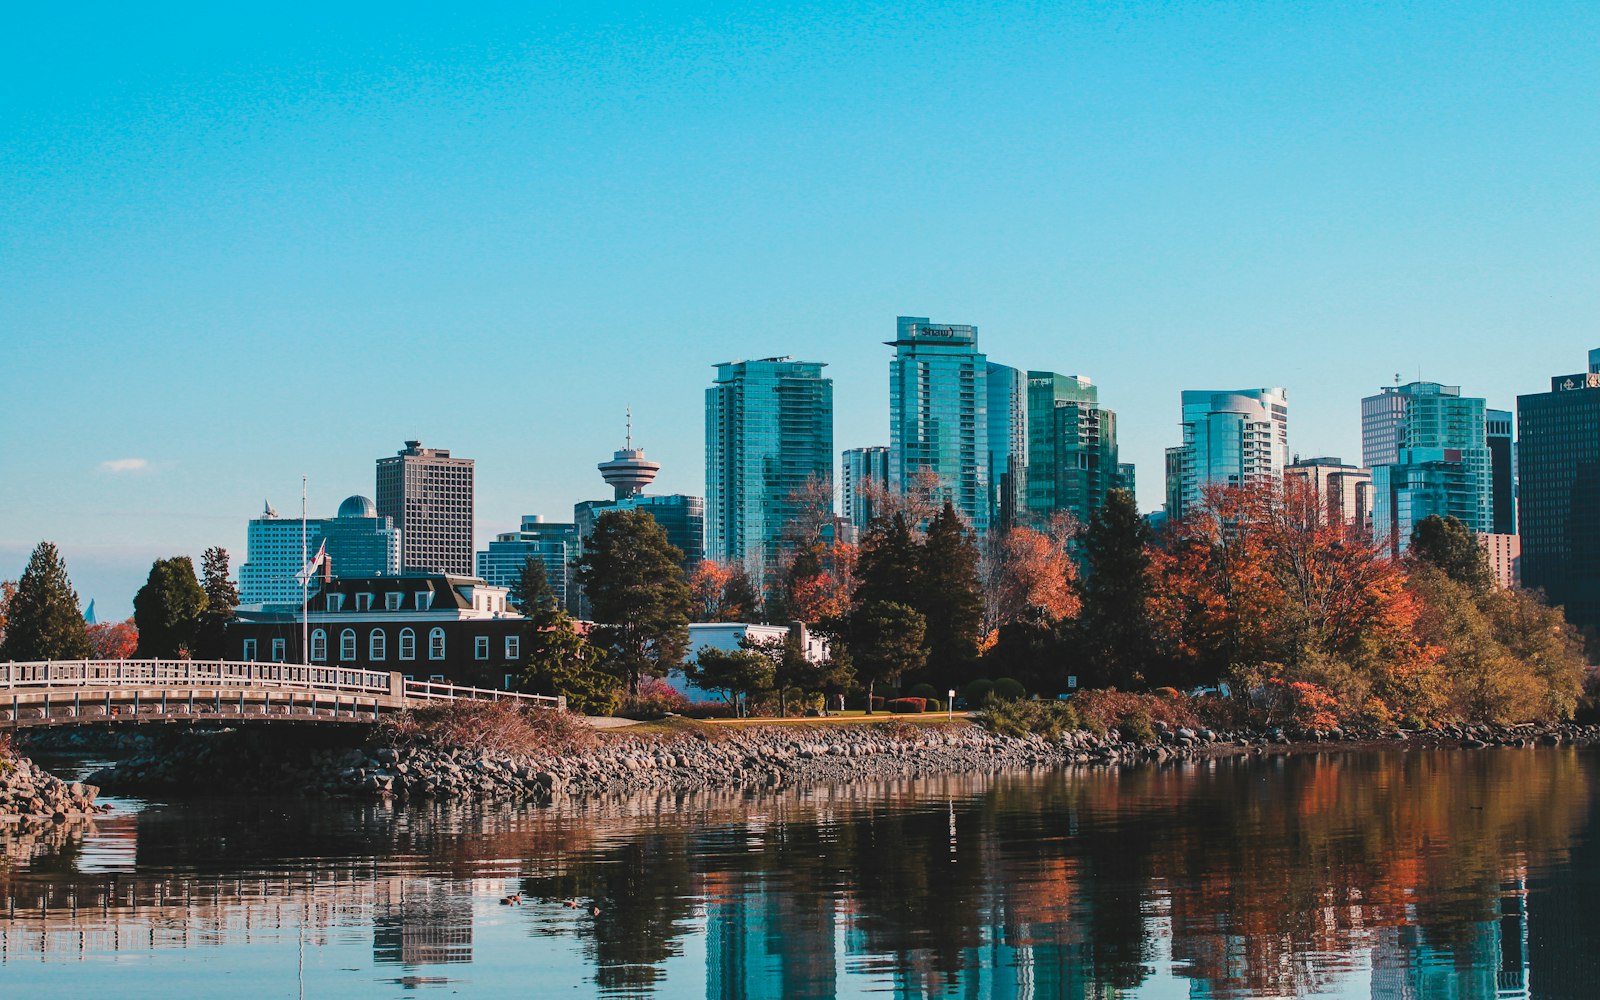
(363, 602)
(424, 600)
(391, 600)
(335, 602)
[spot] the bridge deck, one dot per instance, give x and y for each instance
(101, 692)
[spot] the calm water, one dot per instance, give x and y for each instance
(1392, 875)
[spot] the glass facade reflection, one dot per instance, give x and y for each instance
(939, 414)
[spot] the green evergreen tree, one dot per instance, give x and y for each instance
(532, 593)
(222, 597)
(1449, 544)
(167, 609)
(950, 597)
(42, 619)
(886, 642)
(888, 566)
(638, 595)
(1114, 629)
(563, 663)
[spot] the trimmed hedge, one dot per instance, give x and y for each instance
(908, 706)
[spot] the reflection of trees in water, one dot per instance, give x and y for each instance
(1260, 870)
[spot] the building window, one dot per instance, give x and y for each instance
(280, 648)
(424, 600)
(347, 644)
(335, 602)
(408, 644)
(480, 647)
(391, 600)
(436, 644)
(319, 645)
(363, 602)
(513, 646)
(377, 645)
(249, 652)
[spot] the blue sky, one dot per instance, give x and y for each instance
(241, 245)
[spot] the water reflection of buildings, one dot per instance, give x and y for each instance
(426, 923)
(767, 940)
(1487, 960)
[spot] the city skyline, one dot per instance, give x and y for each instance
(239, 253)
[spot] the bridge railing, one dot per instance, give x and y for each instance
(438, 691)
(174, 673)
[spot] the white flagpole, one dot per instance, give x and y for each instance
(305, 582)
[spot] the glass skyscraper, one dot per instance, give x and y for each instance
(1007, 391)
(769, 434)
(863, 472)
(1230, 438)
(1427, 448)
(1072, 447)
(554, 545)
(938, 413)
(1558, 497)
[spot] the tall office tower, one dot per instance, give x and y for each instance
(1558, 496)
(1425, 445)
(1007, 403)
(1344, 492)
(552, 544)
(1502, 471)
(1072, 447)
(359, 544)
(863, 474)
(1230, 438)
(428, 494)
(769, 437)
(939, 413)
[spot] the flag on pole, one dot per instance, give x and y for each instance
(316, 563)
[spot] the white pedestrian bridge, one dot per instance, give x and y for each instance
(111, 692)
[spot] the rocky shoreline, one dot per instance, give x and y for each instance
(29, 793)
(721, 757)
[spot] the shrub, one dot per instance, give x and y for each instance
(927, 691)
(908, 706)
(1008, 689)
(489, 726)
(1030, 718)
(978, 693)
(655, 699)
(1108, 708)
(934, 704)
(1137, 727)
(859, 703)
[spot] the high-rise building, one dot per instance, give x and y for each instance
(359, 543)
(1236, 438)
(1502, 470)
(1558, 495)
(1007, 403)
(1425, 445)
(938, 413)
(863, 475)
(769, 438)
(1344, 492)
(1072, 447)
(1126, 478)
(554, 545)
(429, 495)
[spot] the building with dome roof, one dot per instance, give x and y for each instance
(359, 543)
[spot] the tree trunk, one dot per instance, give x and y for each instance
(870, 685)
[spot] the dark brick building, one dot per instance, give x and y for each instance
(428, 627)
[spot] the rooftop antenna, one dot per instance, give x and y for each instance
(629, 444)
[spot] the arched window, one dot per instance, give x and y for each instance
(408, 644)
(377, 645)
(319, 645)
(347, 644)
(436, 644)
